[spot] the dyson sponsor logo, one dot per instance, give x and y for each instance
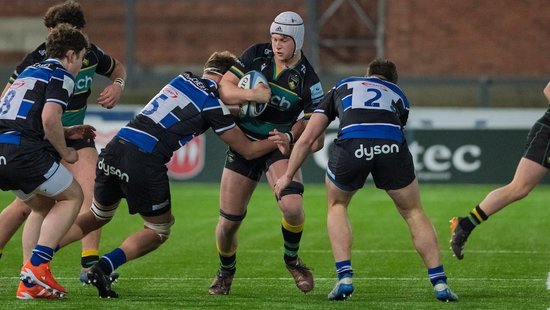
(369, 153)
(110, 170)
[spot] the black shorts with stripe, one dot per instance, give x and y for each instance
(252, 169)
(537, 146)
(24, 168)
(352, 160)
(125, 171)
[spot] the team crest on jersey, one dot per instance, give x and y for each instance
(293, 81)
(85, 62)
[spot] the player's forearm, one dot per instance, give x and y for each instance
(55, 134)
(8, 85)
(300, 151)
(257, 149)
(118, 76)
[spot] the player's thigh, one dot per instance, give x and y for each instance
(235, 192)
(84, 168)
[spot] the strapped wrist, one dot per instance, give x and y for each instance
(290, 137)
(120, 81)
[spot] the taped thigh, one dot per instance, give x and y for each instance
(103, 213)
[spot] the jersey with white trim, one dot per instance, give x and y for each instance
(22, 104)
(95, 61)
(293, 91)
(182, 110)
(367, 107)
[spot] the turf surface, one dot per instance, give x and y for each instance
(506, 262)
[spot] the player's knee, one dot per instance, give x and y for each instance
(103, 213)
(162, 229)
(294, 188)
(230, 223)
(232, 217)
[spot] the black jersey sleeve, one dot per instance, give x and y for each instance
(105, 63)
(38, 55)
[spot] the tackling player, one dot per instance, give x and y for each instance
(133, 164)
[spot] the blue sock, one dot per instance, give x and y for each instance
(111, 261)
(343, 269)
(437, 274)
(41, 254)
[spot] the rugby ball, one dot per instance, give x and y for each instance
(249, 81)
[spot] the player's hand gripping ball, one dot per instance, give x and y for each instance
(249, 81)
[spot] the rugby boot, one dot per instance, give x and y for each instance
(458, 237)
(113, 277)
(221, 285)
(102, 282)
(34, 291)
(342, 290)
(443, 292)
(42, 276)
(301, 274)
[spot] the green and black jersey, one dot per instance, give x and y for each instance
(95, 61)
(294, 91)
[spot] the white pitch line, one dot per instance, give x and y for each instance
(317, 279)
(405, 251)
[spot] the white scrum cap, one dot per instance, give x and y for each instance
(292, 25)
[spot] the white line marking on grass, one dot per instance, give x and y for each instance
(548, 282)
(317, 279)
(406, 251)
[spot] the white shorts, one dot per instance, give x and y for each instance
(58, 180)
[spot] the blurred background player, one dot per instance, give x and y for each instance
(95, 62)
(133, 164)
(32, 141)
(530, 171)
(372, 111)
(295, 89)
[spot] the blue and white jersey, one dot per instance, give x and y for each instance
(21, 106)
(367, 107)
(183, 109)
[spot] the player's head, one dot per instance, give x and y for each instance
(64, 38)
(383, 68)
(66, 12)
(289, 24)
(219, 62)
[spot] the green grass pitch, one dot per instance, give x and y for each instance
(506, 262)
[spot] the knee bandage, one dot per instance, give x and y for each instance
(163, 229)
(293, 188)
(103, 213)
(232, 217)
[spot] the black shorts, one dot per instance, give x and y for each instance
(252, 169)
(124, 171)
(79, 144)
(352, 160)
(24, 169)
(537, 146)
